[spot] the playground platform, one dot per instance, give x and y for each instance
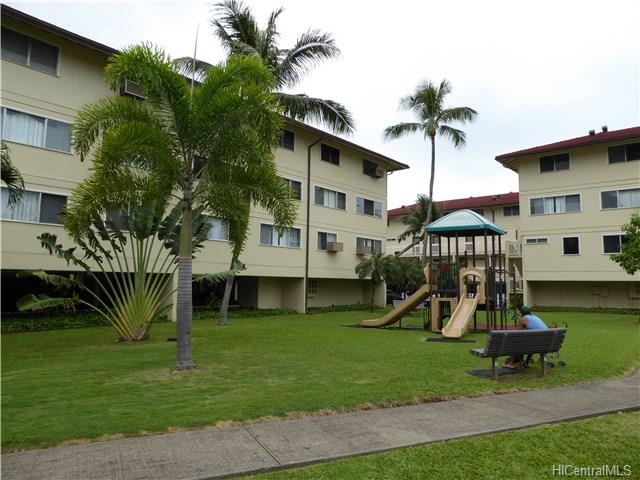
(258, 447)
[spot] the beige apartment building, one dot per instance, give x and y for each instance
(49, 73)
(574, 197)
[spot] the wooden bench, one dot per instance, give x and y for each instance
(502, 343)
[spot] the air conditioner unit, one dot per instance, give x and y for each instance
(334, 246)
(379, 173)
(362, 250)
(132, 89)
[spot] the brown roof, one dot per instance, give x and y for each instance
(511, 198)
(600, 137)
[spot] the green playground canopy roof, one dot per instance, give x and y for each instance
(465, 222)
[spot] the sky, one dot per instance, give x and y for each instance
(536, 72)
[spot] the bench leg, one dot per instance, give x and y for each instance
(543, 359)
(494, 370)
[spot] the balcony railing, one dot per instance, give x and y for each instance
(514, 249)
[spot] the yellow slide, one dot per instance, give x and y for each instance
(401, 310)
(460, 320)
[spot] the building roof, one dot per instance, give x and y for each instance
(466, 222)
(585, 141)
(54, 29)
(511, 198)
(73, 37)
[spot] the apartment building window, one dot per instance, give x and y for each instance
(330, 198)
(416, 250)
(479, 211)
(330, 154)
(468, 244)
(295, 186)
(371, 168)
(218, 230)
(624, 153)
(551, 205)
(34, 130)
(613, 243)
(312, 287)
(324, 238)
(287, 140)
(35, 207)
(365, 206)
(435, 249)
(571, 245)
(554, 163)
(29, 52)
(290, 237)
(628, 198)
(511, 210)
(537, 241)
(374, 245)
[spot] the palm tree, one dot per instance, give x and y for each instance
(10, 175)
(427, 103)
(182, 142)
(416, 221)
(237, 29)
(376, 267)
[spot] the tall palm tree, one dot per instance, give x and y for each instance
(182, 142)
(11, 176)
(416, 220)
(427, 103)
(238, 31)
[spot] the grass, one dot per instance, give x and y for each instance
(524, 454)
(70, 385)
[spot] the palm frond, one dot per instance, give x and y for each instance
(324, 112)
(191, 68)
(458, 114)
(235, 26)
(57, 281)
(11, 176)
(310, 49)
(401, 129)
(457, 137)
(219, 277)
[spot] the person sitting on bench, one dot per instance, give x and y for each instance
(528, 321)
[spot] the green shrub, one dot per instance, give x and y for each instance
(339, 308)
(623, 311)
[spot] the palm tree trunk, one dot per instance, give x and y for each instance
(224, 306)
(430, 207)
(184, 302)
(413, 244)
(373, 295)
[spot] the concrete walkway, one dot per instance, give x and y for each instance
(220, 452)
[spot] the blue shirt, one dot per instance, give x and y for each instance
(535, 323)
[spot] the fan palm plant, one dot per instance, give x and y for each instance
(375, 267)
(10, 175)
(427, 103)
(238, 31)
(174, 144)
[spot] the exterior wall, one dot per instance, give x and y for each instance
(341, 292)
(584, 294)
(589, 174)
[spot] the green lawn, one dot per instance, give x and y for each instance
(79, 384)
(525, 454)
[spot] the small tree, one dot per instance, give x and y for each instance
(404, 274)
(629, 256)
(10, 176)
(376, 267)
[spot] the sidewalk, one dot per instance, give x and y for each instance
(220, 452)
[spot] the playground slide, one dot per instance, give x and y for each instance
(401, 310)
(461, 317)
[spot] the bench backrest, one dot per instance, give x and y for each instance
(510, 342)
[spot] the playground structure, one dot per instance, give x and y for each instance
(457, 284)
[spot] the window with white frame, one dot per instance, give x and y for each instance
(557, 204)
(613, 243)
(571, 245)
(312, 287)
(364, 206)
(330, 198)
(218, 229)
(29, 52)
(295, 186)
(34, 130)
(624, 153)
(554, 163)
(416, 250)
(289, 237)
(374, 245)
(627, 198)
(537, 241)
(468, 244)
(324, 238)
(36, 207)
